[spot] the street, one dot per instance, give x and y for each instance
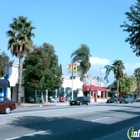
(92, 122)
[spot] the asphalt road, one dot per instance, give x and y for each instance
(93, 122)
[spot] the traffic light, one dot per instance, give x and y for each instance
(74, 68)
(69, 68)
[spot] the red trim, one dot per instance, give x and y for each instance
(94, 88)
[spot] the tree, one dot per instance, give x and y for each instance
(41, 69)
(137, 75)
(61, 69)
(133, 27)
(4, 60)
(20, 43)
(117, 68)
(127, 84)
(81, 56)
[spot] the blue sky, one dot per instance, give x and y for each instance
(66, 24)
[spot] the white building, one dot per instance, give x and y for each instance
(12, 77)
(74, 84)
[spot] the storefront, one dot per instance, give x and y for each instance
(95, 93)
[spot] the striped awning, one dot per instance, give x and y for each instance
(94, 88)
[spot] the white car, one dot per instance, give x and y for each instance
(51, 99)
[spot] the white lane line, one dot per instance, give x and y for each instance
(100, 119)
(40, 132)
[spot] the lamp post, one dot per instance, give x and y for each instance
(72, 68)
(72, 82)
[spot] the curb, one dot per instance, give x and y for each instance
(39, 105)
(45, 105)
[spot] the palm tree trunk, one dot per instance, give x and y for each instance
(19, 80)
(118, 88)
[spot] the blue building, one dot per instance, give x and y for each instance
(4, 85)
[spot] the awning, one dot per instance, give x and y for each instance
(4, 83)
(94, 88)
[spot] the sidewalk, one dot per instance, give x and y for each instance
(47, 104)
(42, 105)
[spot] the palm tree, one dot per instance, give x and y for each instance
(20, 43)
(81, 56)
(117, 68)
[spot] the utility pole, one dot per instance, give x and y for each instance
(72, 68)
(100, 75)
(101, 80)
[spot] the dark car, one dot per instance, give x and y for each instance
(80, 101)
(6, 105)
(126, 99)
(112, 100)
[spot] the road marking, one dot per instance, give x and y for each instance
(31, 134)
(51, 116)
(39, 111)
(100, 119)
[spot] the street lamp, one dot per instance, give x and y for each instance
(71, 69)
(72, 82)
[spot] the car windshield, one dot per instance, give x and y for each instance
(77, 98)
(126, 96)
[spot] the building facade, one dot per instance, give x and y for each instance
(12, 77)
(71, 87)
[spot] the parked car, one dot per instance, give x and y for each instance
(6, 105)
(137, 99)
(31, 100)
(80, 101)
(35, 99)
(126, 99)
(112, 100)
(51, 99)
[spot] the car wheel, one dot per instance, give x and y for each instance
(120, 102)
(7, 110)
(87, 103)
